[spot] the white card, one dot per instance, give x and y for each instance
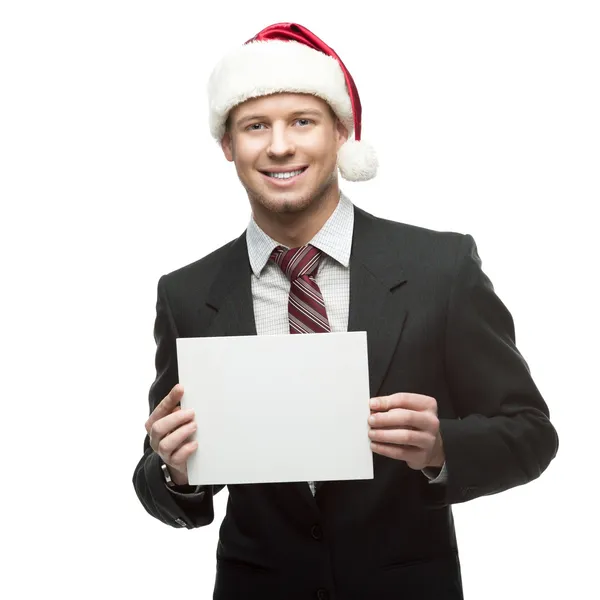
(277, 408)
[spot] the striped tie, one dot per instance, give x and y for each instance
(306, 309)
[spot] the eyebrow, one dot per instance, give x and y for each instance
(296, 113)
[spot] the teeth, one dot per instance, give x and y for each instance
(285, 175)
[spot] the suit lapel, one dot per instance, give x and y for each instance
(229, 304)
(375, 275)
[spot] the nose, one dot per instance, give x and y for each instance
(280, 143)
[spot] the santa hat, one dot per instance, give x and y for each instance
(287, 57)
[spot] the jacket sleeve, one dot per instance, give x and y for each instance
(189, 506)
(502, 437)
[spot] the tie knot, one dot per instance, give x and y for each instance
(297, 262)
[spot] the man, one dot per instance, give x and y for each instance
(455, 413)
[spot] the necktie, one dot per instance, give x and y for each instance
(306, 309)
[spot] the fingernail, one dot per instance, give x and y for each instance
(374, 403)
(372, 420)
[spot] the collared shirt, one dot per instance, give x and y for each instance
(271, 288)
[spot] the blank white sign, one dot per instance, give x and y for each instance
(278, 408)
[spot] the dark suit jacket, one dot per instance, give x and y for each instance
(434, 326)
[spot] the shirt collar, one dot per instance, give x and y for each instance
(334, 238)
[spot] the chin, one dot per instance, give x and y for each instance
(289, 201)
(284, 201)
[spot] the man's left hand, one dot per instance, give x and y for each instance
(406, 427)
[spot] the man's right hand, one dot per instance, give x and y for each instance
(168, 428)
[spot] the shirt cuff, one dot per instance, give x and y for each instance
(436, 475)
(188, 491)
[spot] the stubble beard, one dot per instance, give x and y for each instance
(294, 204)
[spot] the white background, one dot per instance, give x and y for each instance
(485, 117)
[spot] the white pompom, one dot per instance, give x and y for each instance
(357, 161)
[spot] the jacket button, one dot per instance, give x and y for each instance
(316, 533)
(322, 594)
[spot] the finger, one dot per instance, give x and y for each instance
(169, 425)
(404, 418)
(404, 400)
(171, 442)
(165, 406)
(181, 454)
(403, 437)
(171, 422)
(409, 455)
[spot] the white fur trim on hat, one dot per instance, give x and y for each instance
(261, 68)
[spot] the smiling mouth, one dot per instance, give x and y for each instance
(284, 176)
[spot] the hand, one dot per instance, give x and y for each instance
(406, 427)
(168, 428)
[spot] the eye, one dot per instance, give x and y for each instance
(254, 127)
(304, 122)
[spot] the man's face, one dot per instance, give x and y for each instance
(284, 147)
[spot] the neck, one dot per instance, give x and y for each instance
(297, 228)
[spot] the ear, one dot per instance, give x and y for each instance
(227, 146)
(341, 133)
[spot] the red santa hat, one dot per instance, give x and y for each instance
(287, 57)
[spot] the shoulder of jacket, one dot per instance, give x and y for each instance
(201, 268)
(415, 233)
